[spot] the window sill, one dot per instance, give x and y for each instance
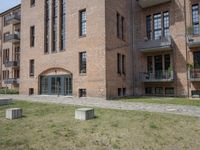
(33, 5)
(82, 74)
(82, 36)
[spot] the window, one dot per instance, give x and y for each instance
(119, 92)
(5, 35)
(17, 53)
(157, 26)
(148, 27)
(31, 91)
(120, 26)
(5, 20)
(167, 62)
(83, 62)
(119, 63)
(32, 3)
(149, 64)
(196, 60)
(82, 93)
(5, 74)
(16, 73)
(47, 25)
(5, 56)
(158, 60)
(159, 90)
(161, 25)
(148, 90)
(32, 36)
(123, 64)
(31, 68)
(169, 91)
(54, 24)
(83, 20)
(62, 24)
(124, 91)
(166, 24)
(195, 19)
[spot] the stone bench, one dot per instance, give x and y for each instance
(195, 96)
(5, 101)
(84, 113)
(13, 113)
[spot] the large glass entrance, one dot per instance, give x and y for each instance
(56, 85)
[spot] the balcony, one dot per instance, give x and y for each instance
(194, 41)
(159, 76)
(160, 45)
(13, 64)
(11, 81)
(194, 75)
(13, 18)
(14, 38)
(150, 3)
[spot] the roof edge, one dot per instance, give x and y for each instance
(15, 7)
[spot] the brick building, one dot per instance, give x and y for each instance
(105, 48)
(10, 47)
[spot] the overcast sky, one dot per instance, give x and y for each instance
(6, 4)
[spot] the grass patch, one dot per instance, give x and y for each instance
(155, 100)
(52, 126)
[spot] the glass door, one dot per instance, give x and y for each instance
(158, 67)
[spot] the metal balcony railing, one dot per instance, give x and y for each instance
(162, 44)
(194, 74)
(11, 81)
(15, 37)
(12, 64)
(13, 18)
(194, 40)
(158, 76)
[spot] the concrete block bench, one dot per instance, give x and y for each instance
(5, 101)
(13, 113)
(195, 96)
(84, 113)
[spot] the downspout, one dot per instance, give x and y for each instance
(185, 14)
(1, 25)
(132, 46)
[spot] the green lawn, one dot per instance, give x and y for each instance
(53, 127)
(155, 100)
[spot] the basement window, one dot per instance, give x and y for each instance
(82, 93)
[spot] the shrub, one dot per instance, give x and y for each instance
(9, 91)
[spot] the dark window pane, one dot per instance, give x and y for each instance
(83, 25)
(83, 62)
(197, 59)
(167, 62)
(149, 64)
(148, 27)
(195, 19)
(157, 26)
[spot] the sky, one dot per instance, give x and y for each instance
(6, 4)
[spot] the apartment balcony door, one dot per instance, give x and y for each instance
(158, 65)
(56, 85)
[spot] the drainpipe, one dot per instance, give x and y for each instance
(186, 46)
(132, 46)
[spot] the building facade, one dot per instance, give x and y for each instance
(166, 52)
(10, 47)
(105, 48)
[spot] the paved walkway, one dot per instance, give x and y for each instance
(101, 103)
